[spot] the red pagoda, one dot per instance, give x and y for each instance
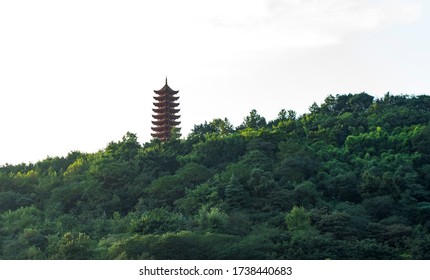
(165, 117)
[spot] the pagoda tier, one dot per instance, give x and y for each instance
(163, 98)
(158, 130)
(160, 136)
(164, 116)
(162, 110)
(165, 104)
(162, 123)
(165, 113)
(166, 90)
(162, 132)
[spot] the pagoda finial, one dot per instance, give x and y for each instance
(166, 80)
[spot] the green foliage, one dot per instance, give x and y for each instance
(298, 219)
(253, 121)
(73, 246)
(220, 127)
(9, 200)
(211, 219)
(348, 180)
(236, 196)
(169, 188)
(157, 220)
(216, 152)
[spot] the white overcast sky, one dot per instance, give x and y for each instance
(75, 75)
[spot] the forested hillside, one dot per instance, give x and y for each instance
(348, 180)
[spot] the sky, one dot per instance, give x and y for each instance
(76, 75)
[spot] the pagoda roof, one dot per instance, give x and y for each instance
(166, 97)
(160, 129)
(165, 104)
(164, 116)
(166, 90)
(163, 110)
(160, 135)
(165, 123)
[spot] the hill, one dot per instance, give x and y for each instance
(348, 180)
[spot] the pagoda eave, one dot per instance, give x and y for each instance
(159, 135)
(159, 128)
(163, 104)
(161, 110)
(166, 89)
(164, 98)
(164, 116)
(160, 122)
(174, 123)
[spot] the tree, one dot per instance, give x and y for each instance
(222, 126)
(282, 115)
(157, 221)
(216, 152)
(73, 246)
(213, 219)
(299, 226)
(254, 121)
(125, 150)
(236, 196)
(298, 219)
(8, 200)
(216, 126)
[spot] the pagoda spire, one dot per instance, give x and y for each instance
(165, 113)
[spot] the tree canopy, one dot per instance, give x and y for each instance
(348, 180)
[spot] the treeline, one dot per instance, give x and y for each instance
(348, 180)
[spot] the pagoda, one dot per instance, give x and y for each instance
(165, 117)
